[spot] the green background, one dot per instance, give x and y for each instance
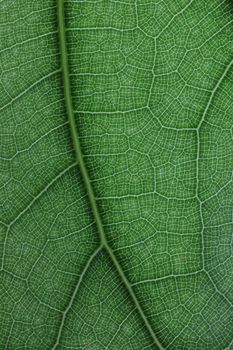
(151, 84)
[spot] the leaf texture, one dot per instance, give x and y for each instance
(116, 174)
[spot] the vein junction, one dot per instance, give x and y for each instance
(79, 158)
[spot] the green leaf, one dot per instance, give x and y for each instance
(116, 174)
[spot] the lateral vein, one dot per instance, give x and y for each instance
(73, 296)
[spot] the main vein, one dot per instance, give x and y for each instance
(83, 169)
(71, 118)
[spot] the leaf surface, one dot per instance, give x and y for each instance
(116, 175)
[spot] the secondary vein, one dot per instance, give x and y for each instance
(73, 297)
(84, 172)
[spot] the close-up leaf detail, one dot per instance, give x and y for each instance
(116, 164)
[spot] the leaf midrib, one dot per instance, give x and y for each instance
(87, 183)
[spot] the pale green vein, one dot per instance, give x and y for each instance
(84, 172)
(29, 88)
(212, 95)
(45, 189)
